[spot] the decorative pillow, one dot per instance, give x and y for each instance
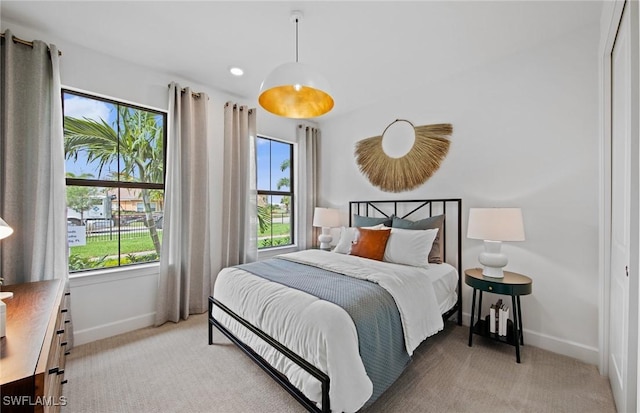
(410, 247)
(361, 221)
(371, 243)
(435, 222)
(379, 226)
(348, 235)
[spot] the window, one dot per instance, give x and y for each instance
(275, 193)
(114, 165)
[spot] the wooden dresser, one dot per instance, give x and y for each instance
(33, 352)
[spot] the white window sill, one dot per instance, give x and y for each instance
(270, 252)
(114, 274)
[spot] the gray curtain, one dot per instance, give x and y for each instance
(239, 195)
(185, 261)
(32, 181)
(307, 138)
(32, 194)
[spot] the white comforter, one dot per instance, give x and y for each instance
(322, 332)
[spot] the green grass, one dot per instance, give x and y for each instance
(101, 248)
(97, 249)
(278, 229)
(281, 234)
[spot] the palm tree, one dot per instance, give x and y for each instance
(284, 182)
(264, 218)
(139, 150)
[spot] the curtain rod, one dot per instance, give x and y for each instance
(196, 95)
(25, 42)
(193, 94)
(238, 106)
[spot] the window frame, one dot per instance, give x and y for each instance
(118, 184)
(290, 193)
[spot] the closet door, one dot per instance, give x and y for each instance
(623, 349)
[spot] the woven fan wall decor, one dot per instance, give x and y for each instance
(411, 170)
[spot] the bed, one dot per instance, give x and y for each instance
(337, 342)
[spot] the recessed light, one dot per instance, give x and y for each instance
(236, 71)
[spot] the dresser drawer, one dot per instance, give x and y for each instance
(33, 351)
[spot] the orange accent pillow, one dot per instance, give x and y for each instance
(371, 243)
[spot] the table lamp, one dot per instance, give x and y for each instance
(494, 225)
(326, 218)
(5, 231)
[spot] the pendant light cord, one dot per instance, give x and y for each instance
(296, 40)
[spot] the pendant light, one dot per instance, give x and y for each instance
(295, 90)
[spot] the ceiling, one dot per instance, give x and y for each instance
(369, 51)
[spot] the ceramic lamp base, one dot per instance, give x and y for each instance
(3, 312)
(325, 238)
(4, 295)
(493, 259)
(3, 319)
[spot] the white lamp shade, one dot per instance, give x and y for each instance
(295, 90)
(496, 224)
(5, 229)
(326, 217)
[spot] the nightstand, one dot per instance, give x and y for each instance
(512, 284)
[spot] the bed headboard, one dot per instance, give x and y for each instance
(420, 209)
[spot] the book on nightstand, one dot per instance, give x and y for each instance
(498, 306)
(492, 319)
(504, 316)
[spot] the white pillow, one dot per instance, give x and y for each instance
(349, 235)
(410, 247)
(379, 226)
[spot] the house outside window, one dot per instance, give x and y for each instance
(140, 207)
(114, 165)
(276, 201)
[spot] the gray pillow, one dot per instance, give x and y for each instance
(360, 221)
(435, 255)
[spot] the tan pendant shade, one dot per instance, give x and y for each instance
(295, 90)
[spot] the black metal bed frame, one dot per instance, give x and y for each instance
(281, 379)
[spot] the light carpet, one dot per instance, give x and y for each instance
(173, 369)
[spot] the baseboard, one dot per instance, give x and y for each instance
(112, 329)
(557, 345)
(554, 344)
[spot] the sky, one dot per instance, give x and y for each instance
(270, 155)
(81, 107)
(95, 109)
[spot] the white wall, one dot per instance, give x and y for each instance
(525, 135)
(116, 301)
